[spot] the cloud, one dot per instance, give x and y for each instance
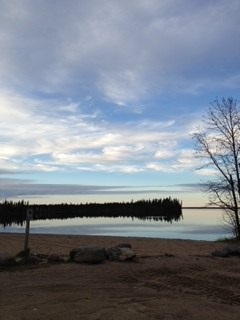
(175, 160)
(207, 172)
(36, 136)
(191, 186)
(123, 50)
(10, 188)
(123, 88)
(164, 154)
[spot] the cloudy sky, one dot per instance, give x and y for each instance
(99, 99)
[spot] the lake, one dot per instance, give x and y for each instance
(197, 224)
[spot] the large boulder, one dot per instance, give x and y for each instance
(73, 252)
(120, 252)
(88, 254)
(6, 259)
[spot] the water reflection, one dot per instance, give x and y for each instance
(204, 224)
(159, 218)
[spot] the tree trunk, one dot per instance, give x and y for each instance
(235, 208)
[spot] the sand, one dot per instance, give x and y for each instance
(170, 279)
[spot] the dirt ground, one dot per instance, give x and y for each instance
(170, 279)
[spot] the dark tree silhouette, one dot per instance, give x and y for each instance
(165, 209)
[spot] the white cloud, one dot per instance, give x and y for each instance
(123, 152)
(177, 160)
(36, 136)
(164, 154)
(156, 166)
(207, 172)
(122, 88)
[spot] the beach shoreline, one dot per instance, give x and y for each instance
(169, 279)
(14, 242)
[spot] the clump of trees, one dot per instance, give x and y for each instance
(218, 144)
(13, 212)
(167, 209)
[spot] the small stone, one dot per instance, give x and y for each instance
(123, 245)
(6, 259)
(219, 253)
(227, 252)
(55, 258)
(33, 259)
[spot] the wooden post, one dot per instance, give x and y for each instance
(28, 218)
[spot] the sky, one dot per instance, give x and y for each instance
(99, 99)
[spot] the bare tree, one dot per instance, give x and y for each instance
(219, 146)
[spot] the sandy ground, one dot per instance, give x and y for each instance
(170, 279)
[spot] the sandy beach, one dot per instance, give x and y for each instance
(169, 279)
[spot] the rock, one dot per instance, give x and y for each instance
(113, 253)
(22, 253)
(227, 252)
(43, 256)
(233, 251)
(123, 245)
(74, 251)
(119, 253)
(220, 253)
(6, 259)
(55, 258)
(169, 255)
(126, 254)
(33, 258)
(88, 254)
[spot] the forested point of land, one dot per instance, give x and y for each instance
(158, 209)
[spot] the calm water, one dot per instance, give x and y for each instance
(197, 224)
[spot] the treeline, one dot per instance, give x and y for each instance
(160, 209)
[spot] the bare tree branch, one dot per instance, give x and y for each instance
(219, 146)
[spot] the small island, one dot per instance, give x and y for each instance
(166, 209)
